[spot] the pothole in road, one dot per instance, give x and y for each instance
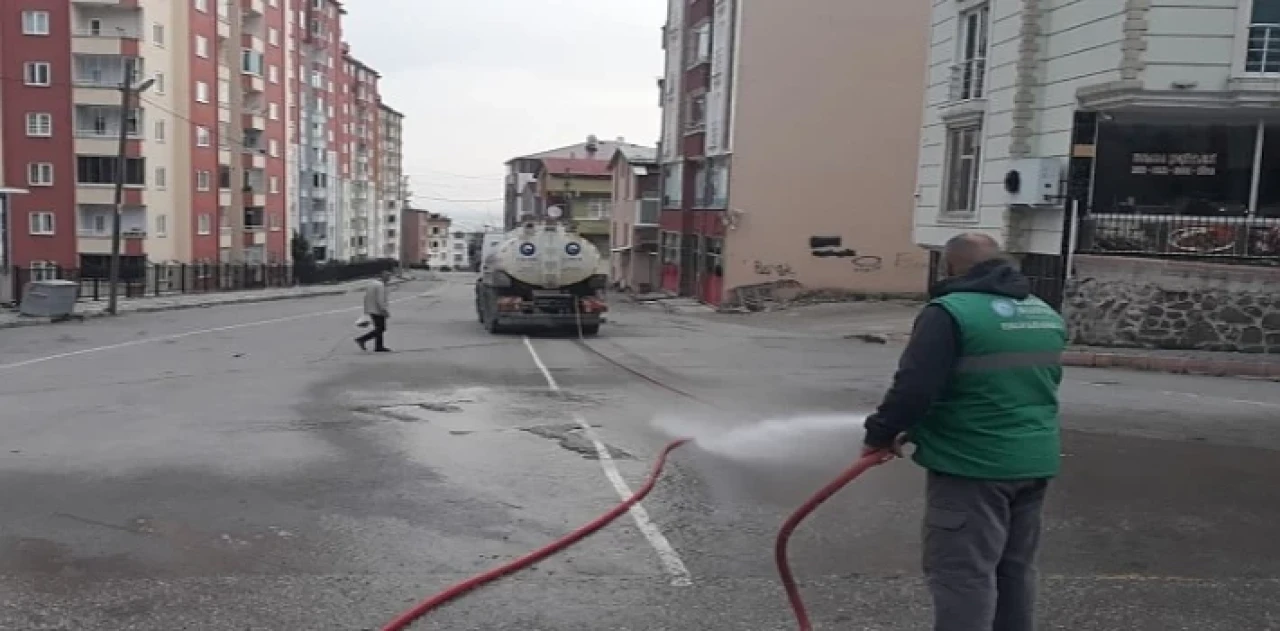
(571, 438)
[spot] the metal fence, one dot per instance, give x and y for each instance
(155, 280)
(1247, 239)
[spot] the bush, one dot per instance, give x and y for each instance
(341, 271)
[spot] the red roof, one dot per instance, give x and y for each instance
(576, 166)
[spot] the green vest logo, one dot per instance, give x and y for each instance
(1004, 308)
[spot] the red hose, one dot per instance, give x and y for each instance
(784, 535)
(784, 570)
(422, 608)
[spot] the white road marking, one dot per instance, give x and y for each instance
(667, 555)
(177, 336)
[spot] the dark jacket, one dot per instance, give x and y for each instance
(926, 366)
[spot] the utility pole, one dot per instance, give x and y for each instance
(127, 91)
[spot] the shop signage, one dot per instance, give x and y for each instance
(1179, 164)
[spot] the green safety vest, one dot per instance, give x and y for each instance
(998, 419)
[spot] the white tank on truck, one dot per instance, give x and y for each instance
(542, 274)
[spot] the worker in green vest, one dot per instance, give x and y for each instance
(976, 392)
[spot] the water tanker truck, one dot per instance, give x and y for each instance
(541, 274)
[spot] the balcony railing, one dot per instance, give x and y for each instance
(112, 32)
(1263, 52)
(968, 79)
(1243, 237)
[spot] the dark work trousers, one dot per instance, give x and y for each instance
(980, 542)
(379, 328)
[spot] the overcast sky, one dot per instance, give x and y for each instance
(481, 81)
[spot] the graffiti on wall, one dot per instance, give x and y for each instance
(833, 247)
(781, 270)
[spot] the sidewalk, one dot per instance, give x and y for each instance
(96, 309)
(889, 322)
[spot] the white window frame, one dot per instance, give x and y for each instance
(202, 92)
(203, 225)
(35, 23)
(204, 180)
(161, 178)
(273, 36)
(39, 125)
(39, 174)
(32, 70)
(951, 169)
(969, 73)
(1245, 29)
(157, 34)
(273, 73)
(202, 5)
(162, 225)
(43, 270)
(161, 131)
(158, 86)
(42, 223)
(203, 137)
(202, 46)
(273, 111)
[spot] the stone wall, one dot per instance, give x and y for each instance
(1150, 303)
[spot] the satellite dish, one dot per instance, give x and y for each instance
(554, 212)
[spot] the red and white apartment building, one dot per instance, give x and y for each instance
(255, 122)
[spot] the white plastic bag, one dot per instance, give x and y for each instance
(362, 321)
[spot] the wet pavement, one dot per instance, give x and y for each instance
(247, 468)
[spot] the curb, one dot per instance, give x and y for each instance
(206, 305)
(1174, 365)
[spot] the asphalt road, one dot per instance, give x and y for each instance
(248, 468)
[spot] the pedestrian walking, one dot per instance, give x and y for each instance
(377, 308)
(976, 392)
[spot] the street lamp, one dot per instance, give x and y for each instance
(127, 91)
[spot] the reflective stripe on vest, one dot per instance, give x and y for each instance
(1005, 361)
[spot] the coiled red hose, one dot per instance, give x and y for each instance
(784, 570)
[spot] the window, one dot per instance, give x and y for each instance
(1262, 54)
(275, 184)
(160, 131)
(162, 225)
(202, 92)
(273, 37)
(35, 22)
(273, 148)
(203, 180)
(960, 189)
(158, 86)
(157, 34)
(202, 46)
(40, 174)
(699, 49)
(273, 111)
(673, 185)
(273, 74)
(162, 178)
(967, 76)
(696, 113)
(202, 136)
(38, 73)
(41, 223)
(39, 124)
(203, 225)
(44, 270)
(251, 62)
(103, 169)
(202, 6)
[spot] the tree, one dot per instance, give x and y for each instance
(304, 259)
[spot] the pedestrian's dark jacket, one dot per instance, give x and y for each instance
(928, 368)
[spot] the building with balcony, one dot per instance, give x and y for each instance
(788, 146)
(1124, 152)
(634, 224)
(393, 185)
(437, 250)
(521, 198)
(583, 189)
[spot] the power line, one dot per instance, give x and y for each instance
(425, 172)
(459, 201)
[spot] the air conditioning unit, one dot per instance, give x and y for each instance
(1034, 182)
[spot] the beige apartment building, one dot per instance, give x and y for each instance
(789, 141)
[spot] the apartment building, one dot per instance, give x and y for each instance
(437, 252)
(521, 198)
(1123, 151)
(393, 185)
(634, 225)
(788, 146)
(213, 157)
